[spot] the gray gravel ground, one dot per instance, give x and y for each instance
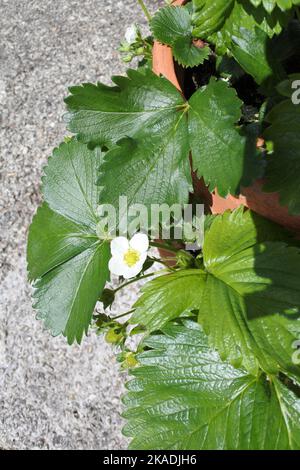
(51, 396)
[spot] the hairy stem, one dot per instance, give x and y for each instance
(136, 279)
(145, 9)
(164, 262)
(123, 315)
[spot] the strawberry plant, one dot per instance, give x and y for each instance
(219, 322)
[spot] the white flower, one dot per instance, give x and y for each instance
(131, 34)
(128, 257)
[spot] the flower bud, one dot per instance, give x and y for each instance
(114, 336)
(132, 34)
(107, 298)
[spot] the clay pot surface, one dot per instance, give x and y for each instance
(265, 204)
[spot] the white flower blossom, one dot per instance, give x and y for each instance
(131, 34)
(128, 256)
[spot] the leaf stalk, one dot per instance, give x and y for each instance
(136, 279)
(145, 9)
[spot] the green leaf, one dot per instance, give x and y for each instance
(188, 54)
(244, 15)
(227, 67)
(69, 184)
(149, 158)
(173, 26)
(168, 297)
(154, 168)
(66, 296)
(251, 280)
(184, 397)
(66, 260)
(286, 46)
(283, 170)
(139, 105)
(286, 87)
(151, 161)
(251, 49)
(150, 171)
(209, 16)
(217, 21)
(269, 5)
(170, 23)
(54, 239)
(225, 157)
(245, 293)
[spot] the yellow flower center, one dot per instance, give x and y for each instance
(131, 257)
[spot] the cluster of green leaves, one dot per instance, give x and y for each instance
(227, 379)
(260, 37)
(269, 5)
(184, 397)
(218, 22)
(231, 383)
(157, 129)
(247, 294)
(284, 133)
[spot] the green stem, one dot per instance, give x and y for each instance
(123, 315)
(135, 280)
(169, 258)
(145, 9)
(164, 247)
(298, 13)
(163, 262)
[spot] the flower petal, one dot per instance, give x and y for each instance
(116, 266)
(142, 259)
(133, 271)
(119, 246)
(139, 242)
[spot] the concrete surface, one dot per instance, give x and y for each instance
(51, 396)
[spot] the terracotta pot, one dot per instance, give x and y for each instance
(265, 204)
